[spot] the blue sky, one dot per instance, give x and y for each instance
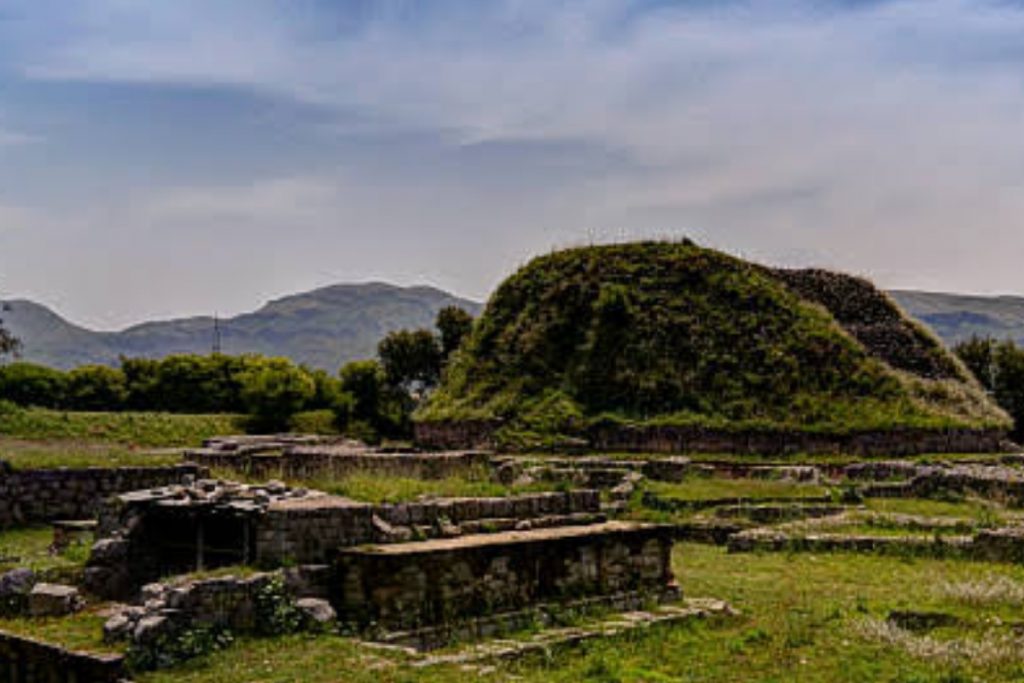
(178, 157)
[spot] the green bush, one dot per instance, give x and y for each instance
(96, 387)
(274, 389)
(28, 384)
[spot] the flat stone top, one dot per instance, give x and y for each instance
(504, 538)
(364, 453)
(315, 502)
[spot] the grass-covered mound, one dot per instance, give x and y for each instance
(660, 333)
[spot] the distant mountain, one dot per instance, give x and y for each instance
(957, 317)
(323, 328)
(333, 325)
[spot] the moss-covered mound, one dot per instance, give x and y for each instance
(660, 333)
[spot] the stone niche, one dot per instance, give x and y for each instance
(444, 581)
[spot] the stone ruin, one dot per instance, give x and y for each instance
(415, 568)
(309, 457)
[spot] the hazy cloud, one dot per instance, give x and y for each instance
(881, 137)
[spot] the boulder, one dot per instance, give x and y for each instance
(316, 613)
(53, 600)
(16, 582)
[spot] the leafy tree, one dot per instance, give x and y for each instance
(411, 359)
(329, 395)
(273, 389)
(999, 366)
(364, 381)
(1009, 383)
(28, 384)
(454, 324)
(9, 344)
(979, 355)
(96, 387)
(142, 379)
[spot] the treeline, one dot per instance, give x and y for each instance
(999, 366)
(368, 399)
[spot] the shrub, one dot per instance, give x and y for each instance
(28, 384)
(96, 387)
(274, 389)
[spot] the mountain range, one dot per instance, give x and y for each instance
(328, 327)
(324, 328)
(958, 317)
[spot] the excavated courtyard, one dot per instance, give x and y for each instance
(309, 559)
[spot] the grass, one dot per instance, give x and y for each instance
(802, 620)
(123, 428)
(25, 455)
(82, 631)
(373, 488)
(714, 488)
(30, 547)
(983, 512)
(670, 334)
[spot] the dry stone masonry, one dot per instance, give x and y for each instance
(146, 534)
(32, 496)
(412, 585)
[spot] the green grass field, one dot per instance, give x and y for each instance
(714, 488)
(30, 547)
(125, 428)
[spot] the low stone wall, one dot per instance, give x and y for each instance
(670, 439)
(409, 585)
(28, 496)
(325, 462)
(23, 660)
(309, 531)
(463, 434)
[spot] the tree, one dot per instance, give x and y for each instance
(142, 379)
(979, 355)
(1009, 383)
(364, 381)
(9, 344)
(274, 389)
(96, 387)
(454, 324)
(28, 384)
(999, 366)
(411, 359)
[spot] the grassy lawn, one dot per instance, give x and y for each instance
(30, 547)
(80, 631)
(24, 455)
(384, 489)
(982, 512)
(714, 488)
(804, 618)
(125, 428)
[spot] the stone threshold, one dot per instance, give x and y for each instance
(544, 615)
(560, 638)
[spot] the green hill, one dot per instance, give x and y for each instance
(323, 328)
(659, 333)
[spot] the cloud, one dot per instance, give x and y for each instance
(881, 136)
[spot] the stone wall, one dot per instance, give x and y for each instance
(409, 585)
(322, 462)
(670, 439)
(29, 496)
(309, 531)
(23, 660)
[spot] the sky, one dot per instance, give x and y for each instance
(180, 157)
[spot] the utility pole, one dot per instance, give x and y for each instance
(216, 334)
